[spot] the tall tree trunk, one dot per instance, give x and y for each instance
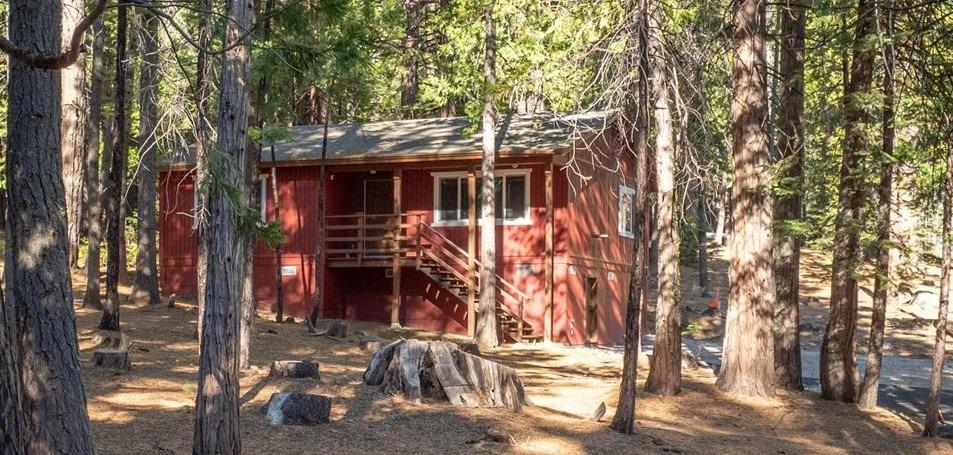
(73, 132)
(114, 223)
(410, 79)
(838, 361)
(787, 204)
(722, 211)
(253, 184)
(882, 285)
(319, 258)
(147, 277)
(128, 187)
(665, 371)
(939, 350)
(201, 148)
(94, 217)
(279, 288)
(216, 405)
(748, 360)
(486, 331)
(634, 126)
(39, 335)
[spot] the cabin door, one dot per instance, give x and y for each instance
(592, 313)
(378, 208)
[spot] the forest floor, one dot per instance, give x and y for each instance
(149, 409)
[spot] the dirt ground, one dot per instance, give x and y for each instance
(910, 329)
(149, 409)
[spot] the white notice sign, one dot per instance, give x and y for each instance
(289, 270)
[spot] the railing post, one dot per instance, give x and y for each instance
(417, 235)
(519, 322)
(360, 239)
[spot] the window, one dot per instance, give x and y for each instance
(626, 215)
(452, 202)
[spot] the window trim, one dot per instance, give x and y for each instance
(525, 220)
(623, 191)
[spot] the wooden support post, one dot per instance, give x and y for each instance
(549, 259)
(471, 252)
(360, 237)
(395, 299)
(417, 235)
(519, 322)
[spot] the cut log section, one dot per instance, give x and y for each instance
(117, 359)
(440, 370)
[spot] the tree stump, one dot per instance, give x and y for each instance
(296, 369)
(338, 329)
(292, 408)
(112, 339)
(441, 370)
(117, 359)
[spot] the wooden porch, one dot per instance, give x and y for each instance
(399, 241)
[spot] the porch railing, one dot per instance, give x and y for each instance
(361, 238)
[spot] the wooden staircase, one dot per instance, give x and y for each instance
(456, 271)
(375, 241)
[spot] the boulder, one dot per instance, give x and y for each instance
(117, 359)
(297, 369)
(293, 408)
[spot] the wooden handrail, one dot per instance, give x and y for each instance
(427, 242)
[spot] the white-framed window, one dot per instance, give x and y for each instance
(626, 213)
(452, 203)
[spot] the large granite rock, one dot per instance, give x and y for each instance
(293, 408)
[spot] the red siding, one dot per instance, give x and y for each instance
(581, 209)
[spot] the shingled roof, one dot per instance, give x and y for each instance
(426, 139)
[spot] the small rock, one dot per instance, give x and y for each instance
(172, 301)
(292, 408)
(338, 329)
(297, 369)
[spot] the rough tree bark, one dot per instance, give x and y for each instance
(39, 328)
(113, 191)
(787, 204)
(94, 216)
(748, 362)
(279, 288)
(838, 348)
(216, 405)
(665, 370)
(410, 79)
(486, 332)
(634, 128)
(939, 350)
(882, 280)
(147, 276)
(73, 132)
(253, 184)
(201, 147)
(322, 199)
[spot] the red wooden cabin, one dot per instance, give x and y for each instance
(402, 245)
